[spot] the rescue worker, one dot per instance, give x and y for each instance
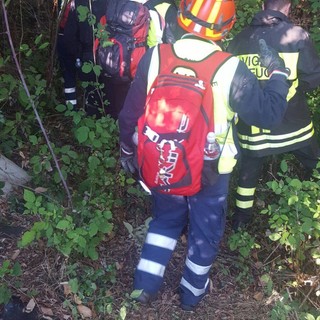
(67, 57)
(295, 133)
(75, 46)
(235, 90)
(164, 27)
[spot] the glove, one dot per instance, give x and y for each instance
(270, 59)
(127, 159)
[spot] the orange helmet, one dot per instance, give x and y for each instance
(209, 19)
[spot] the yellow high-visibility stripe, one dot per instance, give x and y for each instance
(197, 6)
(213, 17)
(277, 136)
(244, 204)
(245, 191)
(275, 145)
(215, 11)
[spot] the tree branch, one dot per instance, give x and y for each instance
(32, 102)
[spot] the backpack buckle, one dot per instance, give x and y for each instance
(152, 135)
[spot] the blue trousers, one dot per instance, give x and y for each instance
(206, 214)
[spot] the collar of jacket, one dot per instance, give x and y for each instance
(193, 36)
(269, 17)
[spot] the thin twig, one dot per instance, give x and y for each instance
(273, 251)
(290, 298)
(33, 104)
(307, 297)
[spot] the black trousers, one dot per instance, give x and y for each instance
(115, 92)
(250, 169)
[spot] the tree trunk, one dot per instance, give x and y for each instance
(11, 174)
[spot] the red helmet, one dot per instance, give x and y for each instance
(209, 19)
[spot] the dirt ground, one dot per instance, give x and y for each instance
(44, 273)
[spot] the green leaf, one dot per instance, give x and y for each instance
(106, 227)
(23, 97)
(28, 237)
(97, 144)
(72, 154)
(110, 162)
(93, 254)
(284, 166)
(4, 93)
(5, 294)
(293, 199)
(33, 140)
(274, 185)
(135, 294)
(43, 46)
(29, 196)
(93, 229)
(87, 67)
(65, 159)
(82, 242)
(4, 267)
(97, 70)
(307, 226)
(63, 224)
(61, 108)
(123, 312)
(83, 12)
(130, 181)
(16, 269)
(82, 134)
(296, 184)
(74, 285)
(38, 39)
(274, 236)
(24, 47)
(292, 242)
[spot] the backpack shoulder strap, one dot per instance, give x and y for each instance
(169, 62)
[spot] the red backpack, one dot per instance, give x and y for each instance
(173, 129)
(127, 23)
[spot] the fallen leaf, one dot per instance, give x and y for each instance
(15, 254)
(76, 299)
(46, 311)
(84, 311)
(258, 296)
(30, 306)
(22, 155)
(40, 190)
(66, 288)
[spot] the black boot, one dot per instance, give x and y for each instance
(240, 220)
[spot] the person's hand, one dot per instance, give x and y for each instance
(270, 59)
(127, 159)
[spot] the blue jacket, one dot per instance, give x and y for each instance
(256, 106)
